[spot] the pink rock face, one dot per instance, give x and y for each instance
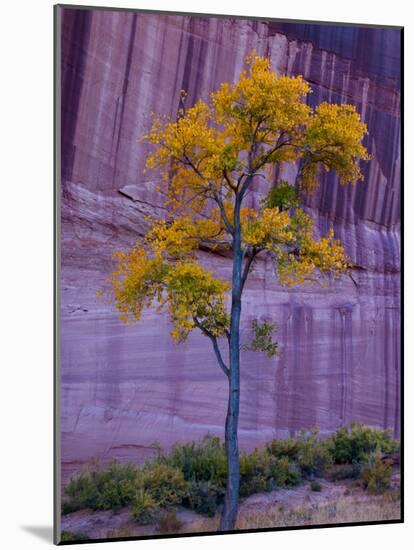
(122, 388)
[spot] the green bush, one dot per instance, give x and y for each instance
(315, 486)
(255, 472)
(113, 487)
(315, 454)
(284, 448)
(118, 534)
(356, 442)
(144, 508)
(69, 506)
(195, 474)
(311, 453)
(67, 536)
(203, 461)
(118, 486)
(81, 492)
(261, 471)
(286, 473)
(205, 497)
(376, 474)
(164, 483)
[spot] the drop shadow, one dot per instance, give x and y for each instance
(43, 532)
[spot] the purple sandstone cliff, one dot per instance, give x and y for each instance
(126, 387)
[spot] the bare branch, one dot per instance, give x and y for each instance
(229, 182)
(247, 266)
(209, 187)
(271, 152)
(206, 240)
(209, 240)
(224, 216)
(217, 351)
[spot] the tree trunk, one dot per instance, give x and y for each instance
(231, 502)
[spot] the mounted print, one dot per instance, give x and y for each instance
(228, 274)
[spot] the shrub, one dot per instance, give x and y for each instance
(106, 489)
(356, 442)
(376, 475)
(255, 472)
(283, 448)
(261, 471)
(144, 508)
(69, 506)
(81, 492)
(204, 461)
(314, 455)
(67, 536)
(118, 486)
(286, 473)
(205, 497)
(118, 534)
(308, 450)
(165, 483)
(194, 474)
(315, 486)
(169, 523)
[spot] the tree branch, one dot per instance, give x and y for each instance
(214, 192)
(226, 177)
(254, 252)
(266, 158)
(206, 240)
(220, 204)
(213, 339)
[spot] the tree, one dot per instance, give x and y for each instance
(209, 158)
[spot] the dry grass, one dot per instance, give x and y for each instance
(119, 534)
(202, 525)
(169, 523)
(346, 509)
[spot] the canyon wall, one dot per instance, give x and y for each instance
(124, 387)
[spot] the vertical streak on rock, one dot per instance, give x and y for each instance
(76, 25)
(387, 362)
(308, 374)
(396, 364)
(125, 89)
(346, 361)
(187, 65)
(299, 337)
(179, 55)
(343, 368)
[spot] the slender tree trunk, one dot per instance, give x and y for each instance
(231, 502)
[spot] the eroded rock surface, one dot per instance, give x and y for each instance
(125, 387)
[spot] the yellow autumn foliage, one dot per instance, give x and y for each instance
(187, 290)
(208, 159)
